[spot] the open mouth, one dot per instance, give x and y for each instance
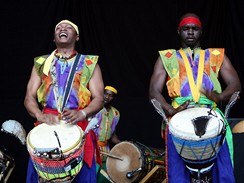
(63, 35)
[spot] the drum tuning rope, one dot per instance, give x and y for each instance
(223, 131)
(212, 112)
(154, 157)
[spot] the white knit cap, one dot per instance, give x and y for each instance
(69, 22)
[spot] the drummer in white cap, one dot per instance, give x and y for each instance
(69, 87)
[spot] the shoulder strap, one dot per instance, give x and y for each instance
(195, 88)
(70, 81)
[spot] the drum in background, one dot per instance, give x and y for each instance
(134, 161)
(239, 127)
(198, 134)
(238, 141)
(7, 165)
(56, 150)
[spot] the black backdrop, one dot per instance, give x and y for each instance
(126, 35)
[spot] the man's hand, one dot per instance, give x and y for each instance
(215, 97)
(72, 116)
(172, 111)
(47, 118)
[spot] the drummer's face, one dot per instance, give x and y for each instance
(108, 96)
(190, 35)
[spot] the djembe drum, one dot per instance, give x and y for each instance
(198, 134)
(56, 151)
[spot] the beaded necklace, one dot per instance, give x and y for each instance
(64, 59)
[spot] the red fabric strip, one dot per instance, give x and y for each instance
(190, 20)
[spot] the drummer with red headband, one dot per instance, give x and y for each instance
(191, 76)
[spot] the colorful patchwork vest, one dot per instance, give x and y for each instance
(178, 83)
(79, 96)
(107, 121)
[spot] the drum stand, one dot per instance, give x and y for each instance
(201, 175)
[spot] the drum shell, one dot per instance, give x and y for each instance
(198, 151)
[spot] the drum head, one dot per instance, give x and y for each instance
(46, 136)
(181, 124)
(132, 160)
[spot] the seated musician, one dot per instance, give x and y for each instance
(191, 76)
(108, 119)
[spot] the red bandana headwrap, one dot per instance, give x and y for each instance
(190, 20)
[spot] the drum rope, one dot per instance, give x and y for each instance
(153, 156)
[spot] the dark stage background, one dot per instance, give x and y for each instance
(126, 35)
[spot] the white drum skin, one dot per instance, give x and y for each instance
(43, 137)
(180, 125)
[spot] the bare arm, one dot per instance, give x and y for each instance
(31, 103)
(231, 79)
(157, 83)
(115, 139)
(96, 87)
